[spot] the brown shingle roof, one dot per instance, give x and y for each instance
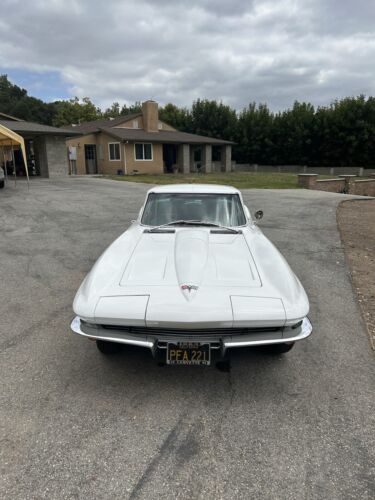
(96, 125)
(36, 128)
(165, 136)
(4, 116)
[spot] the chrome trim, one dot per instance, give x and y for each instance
(213, 345)
(227, 342)
(306, 329)
(124, 339)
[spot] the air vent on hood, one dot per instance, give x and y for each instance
(224, 231)
(159, 231)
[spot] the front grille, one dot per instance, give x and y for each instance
(141, 330)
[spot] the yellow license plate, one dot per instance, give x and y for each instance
(188, 353)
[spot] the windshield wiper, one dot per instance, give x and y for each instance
(219, 226)
(194, 223)
(172, 223)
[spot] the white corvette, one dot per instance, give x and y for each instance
(192, 277)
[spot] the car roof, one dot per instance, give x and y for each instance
(194, 188)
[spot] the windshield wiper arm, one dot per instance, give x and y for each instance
(173, 223)
(219, 226)
(193, 223)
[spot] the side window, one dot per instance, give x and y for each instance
(147, 151)
(138, 151)
(114, 151)
(143, 151)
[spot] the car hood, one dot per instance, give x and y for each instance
(192, 276)
(192, 259)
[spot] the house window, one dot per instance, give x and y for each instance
(160, 126)
(143, 151)
(135, 123)
(114, 151)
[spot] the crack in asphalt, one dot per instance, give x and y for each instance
(27, 332)
(165, 449)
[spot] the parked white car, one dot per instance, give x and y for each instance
(193, 276)
(2, 178)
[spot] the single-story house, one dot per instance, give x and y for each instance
(45, 148)
(142, 143)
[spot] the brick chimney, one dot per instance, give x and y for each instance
(150, 116)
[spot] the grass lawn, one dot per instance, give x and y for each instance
(241, 180)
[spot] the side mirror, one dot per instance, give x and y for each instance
(258, 214)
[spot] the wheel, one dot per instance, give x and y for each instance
(281, 348)
(108, 347)
(2, 183)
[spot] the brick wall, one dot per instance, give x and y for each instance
(331, 185)
(345, 184)
(57, 158)
(364, 187)
(253, 167)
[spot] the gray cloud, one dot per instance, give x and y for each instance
(272, 51)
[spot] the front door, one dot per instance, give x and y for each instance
(90, 159)
(169, 157)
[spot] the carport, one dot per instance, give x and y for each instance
(9, 142)
(44, 148)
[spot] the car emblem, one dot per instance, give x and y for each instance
(189, 287)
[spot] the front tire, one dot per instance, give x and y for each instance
(2, 184)
(280, 348)
(108, 347)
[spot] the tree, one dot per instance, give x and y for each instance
(176, 117)
(342, 133)
(213, 118)
(113, 111)
(254, 136)
(293, 134)
(15, 101)
(74, 111)
(136, 107)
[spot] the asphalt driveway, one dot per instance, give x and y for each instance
(75, 424)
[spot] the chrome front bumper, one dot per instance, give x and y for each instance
(222, 342)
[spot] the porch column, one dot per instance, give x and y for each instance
(226, 158)
(207, 157)
(185, 160)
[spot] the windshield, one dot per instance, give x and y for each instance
(221, 209)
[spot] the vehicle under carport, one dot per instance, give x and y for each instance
(10, 142)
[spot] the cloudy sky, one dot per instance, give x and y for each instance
(238, 51)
